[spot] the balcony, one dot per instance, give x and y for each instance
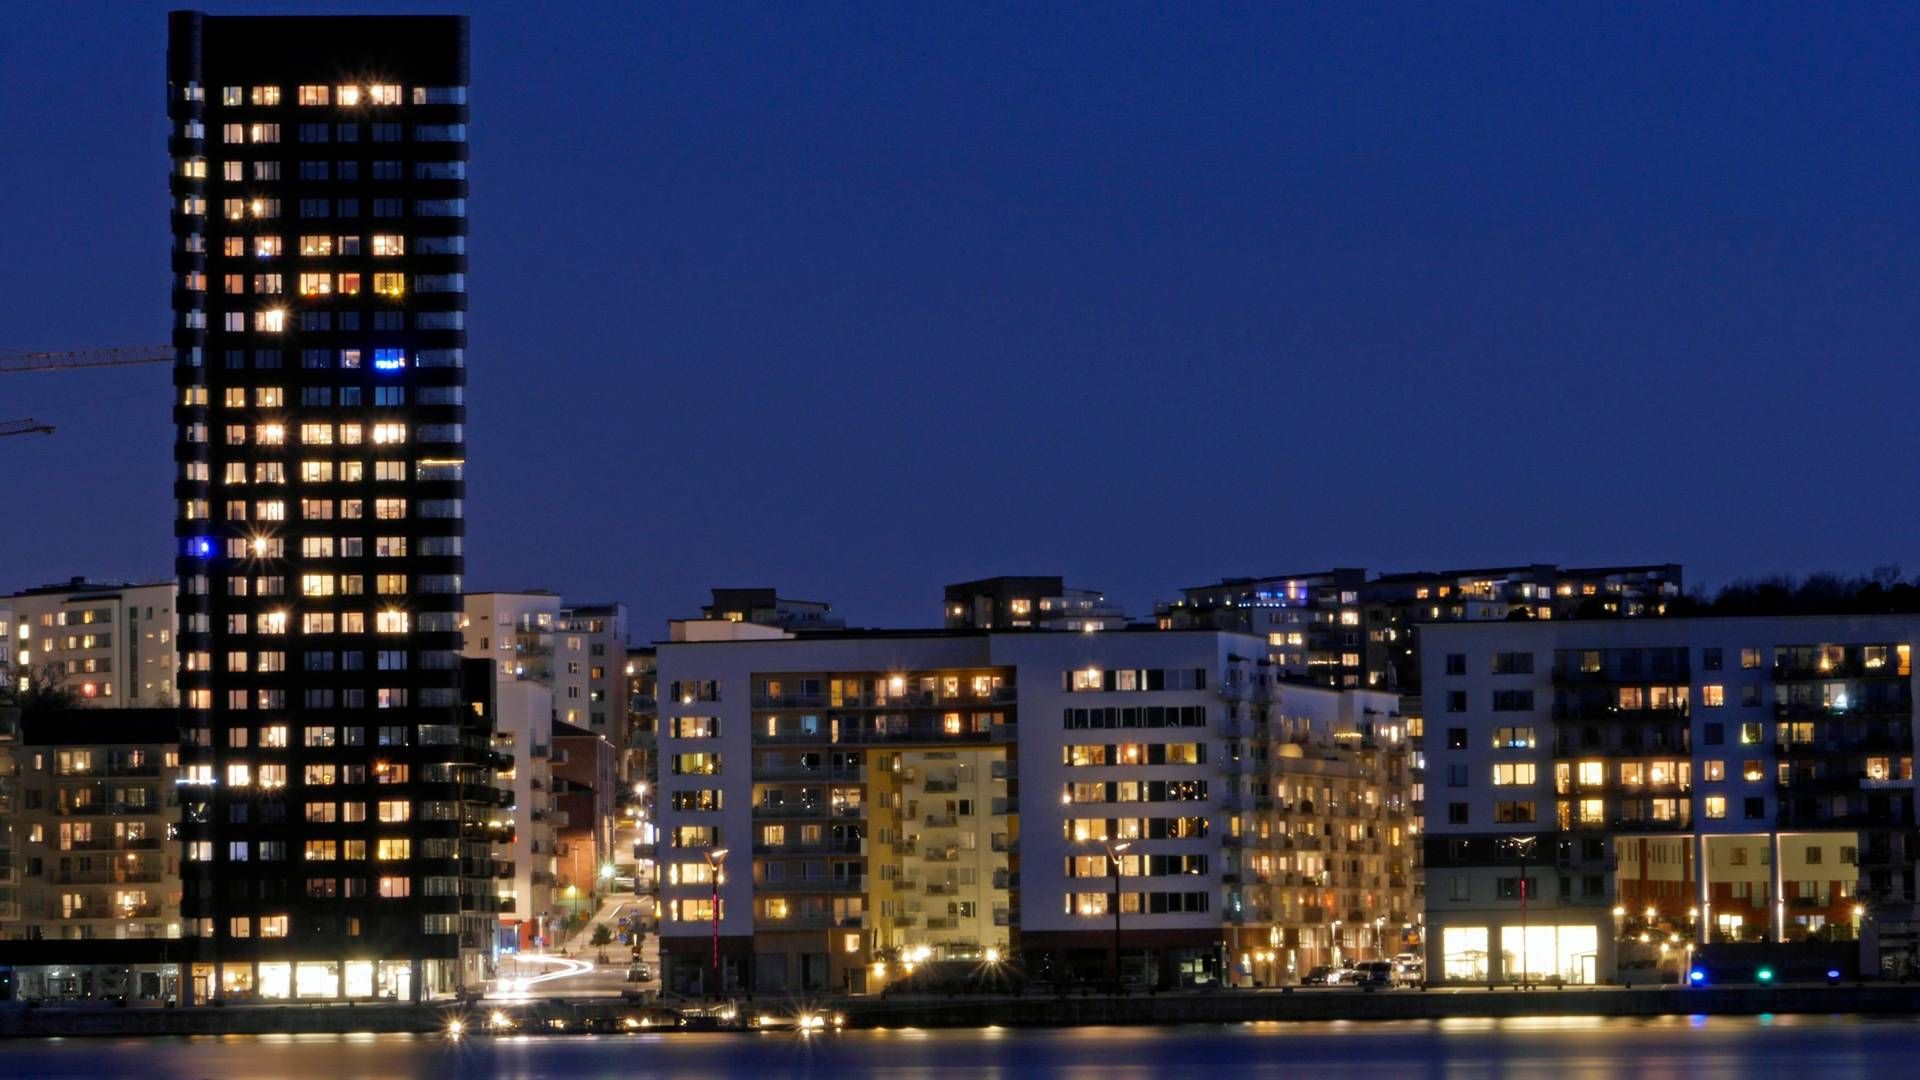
(790, 701)
(110, 809)
(114, 875)
(789, 810)
(792, 772)
(937, 854)
(1852, 667)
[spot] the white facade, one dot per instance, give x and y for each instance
(112, 645)
(518, 632)
(1122, 737)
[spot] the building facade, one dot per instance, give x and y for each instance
(110, 643)
(338, 787)
(89, 873)
(1311, 623)
(1608, 796)
(862, 802)
(1029, 603)
(522, 641)
(1397, 605)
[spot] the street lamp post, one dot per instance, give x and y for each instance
(714, 859)
(1523, 845)
(1114, 851)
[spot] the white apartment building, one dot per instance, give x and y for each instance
(112, 644)
(1609, 797)
(534, 659)
(877, 799)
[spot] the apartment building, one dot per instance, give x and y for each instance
(110, 643)
(89, 873)
(1398, 604)
(1029, 603)
(766, 607)
(1311, 623)
(861, 802)
(532, 657)
(1343, 628)
(643, 709)
(1323, 833)
(585, 796)
(1610, 795)
(339, 809)
(603, 627)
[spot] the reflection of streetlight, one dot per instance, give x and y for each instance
(714, 859)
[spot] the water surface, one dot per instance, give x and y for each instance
(1565, 1048)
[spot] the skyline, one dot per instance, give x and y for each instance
(1106, 224)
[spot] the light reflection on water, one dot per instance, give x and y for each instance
(1561, 1047)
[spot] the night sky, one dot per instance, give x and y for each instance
(859, 300)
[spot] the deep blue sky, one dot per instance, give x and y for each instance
(858, 300)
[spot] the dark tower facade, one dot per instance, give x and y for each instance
(338, 798)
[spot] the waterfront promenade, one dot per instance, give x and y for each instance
(612, 1015)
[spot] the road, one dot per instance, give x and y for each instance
(574, 969)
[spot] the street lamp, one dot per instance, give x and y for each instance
(1114, 851)
(1523, 846)
(714, 859)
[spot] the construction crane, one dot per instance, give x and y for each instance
(14, 362)
(24, 427)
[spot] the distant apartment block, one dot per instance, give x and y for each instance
(1029, 603)
(1342, 628)
(110, 643)
(766, 607)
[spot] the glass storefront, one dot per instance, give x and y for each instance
(1464, 953)
(1568, 953)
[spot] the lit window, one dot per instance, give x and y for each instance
(383, 94)
(314, 95)
(265, 95)
(348, 96)
(390, 285)
(314, 284)
(388, 244)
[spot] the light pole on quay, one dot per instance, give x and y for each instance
(714, 859)
(1114, 851)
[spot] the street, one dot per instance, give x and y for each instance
(574, 969)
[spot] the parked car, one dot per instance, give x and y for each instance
(1373, 974)
(1409, 969)
(640, 971)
